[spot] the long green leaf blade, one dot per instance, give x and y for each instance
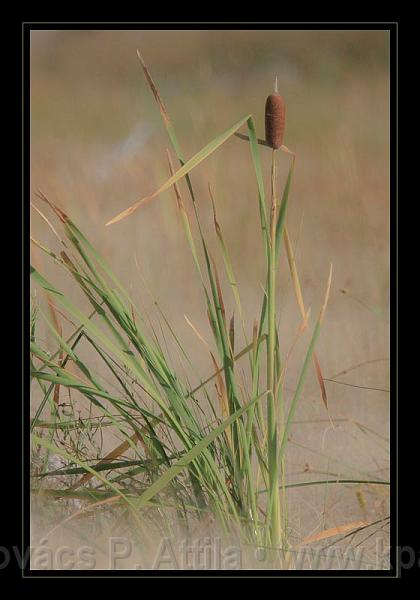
(186, 168)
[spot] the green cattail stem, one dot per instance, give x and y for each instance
(273, 512)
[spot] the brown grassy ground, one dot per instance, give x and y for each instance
(97, 144)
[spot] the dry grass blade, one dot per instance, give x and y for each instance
(358, 365)
(115, 453)
(293, 272)
(326, 298)
(299, 298)
(320, 380)
(60, 214)
(303, 372)
(197, 333)
(154, 89)
(332, 531)
(303, 325)
(48, 222)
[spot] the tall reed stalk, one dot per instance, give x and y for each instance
(274, 512)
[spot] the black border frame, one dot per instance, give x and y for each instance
(23, 229)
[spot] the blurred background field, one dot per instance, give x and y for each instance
(98, 144)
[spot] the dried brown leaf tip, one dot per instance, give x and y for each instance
(154, 89)
(275, 113)
(60, 214)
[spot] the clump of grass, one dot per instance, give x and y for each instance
(194, 452)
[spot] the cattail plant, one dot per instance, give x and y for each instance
(233, 465)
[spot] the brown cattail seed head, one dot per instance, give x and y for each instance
(275, 112)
